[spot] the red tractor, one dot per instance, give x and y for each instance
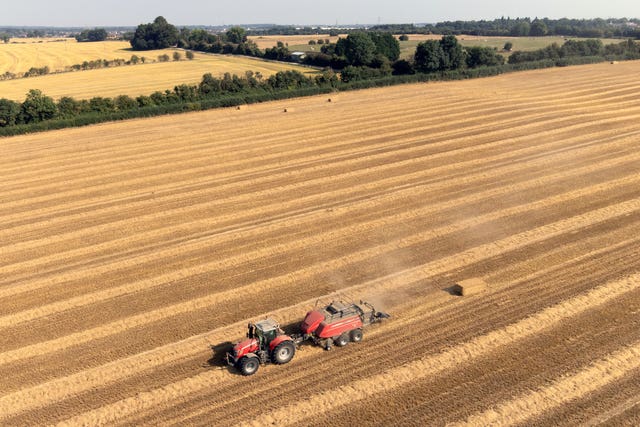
(338, 322)
(265, 343)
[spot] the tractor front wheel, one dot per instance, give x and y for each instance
(248, 365)
(342, 340)
(283, 352)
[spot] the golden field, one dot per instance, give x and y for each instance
(21, 54)
(132, 80)
(129, 248)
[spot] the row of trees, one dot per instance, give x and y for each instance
(594, 28)
(95, 35)
(96, 64)
(579, 48)
(160, 34)
(447, 54)
(37, 107)
(366, 55)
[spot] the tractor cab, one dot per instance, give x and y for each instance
(264, 331)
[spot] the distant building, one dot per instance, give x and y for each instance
(297, 56)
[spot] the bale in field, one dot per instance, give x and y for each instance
(469, 287)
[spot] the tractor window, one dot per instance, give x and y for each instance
(270, 335)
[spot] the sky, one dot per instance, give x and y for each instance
(84, 13)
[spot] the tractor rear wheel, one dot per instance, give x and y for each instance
(356, 335)
(342, 340)
(248, 365)
(283, 352)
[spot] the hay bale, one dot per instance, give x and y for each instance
(468, 287)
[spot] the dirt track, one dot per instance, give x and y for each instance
(128, 249)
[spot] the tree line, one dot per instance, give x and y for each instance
(588, 28)
(38, 107)
(579, 48)
(96, 64)
(95, 35)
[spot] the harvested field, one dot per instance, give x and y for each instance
(141, 79)
(21, 54)
(129, 248)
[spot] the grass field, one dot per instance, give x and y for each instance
(142, 79)
(129, 248)
(294, 42)
(408, 48)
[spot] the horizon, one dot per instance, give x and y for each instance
(316, 25)
(121, 13)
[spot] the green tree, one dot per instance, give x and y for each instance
(520, 29)
(157, 35)
(5, 37)
(37, 107)
(279, 52)
(404, 38)
(439, 55)
(236, 35)
(9, 111)
(95, 35)
(68, 107)
(177, 56)
(124, 102)
(478, 56)
(189, 54)
(386, 45)
(402, 67)
(102, 105)
(538, 29)
(186, 93)
(350, 73)
(454, 54)
(508, 46)
(428, 56)
(358, 48)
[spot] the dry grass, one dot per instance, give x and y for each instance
(128, 248)
(21, 54)
(132, 80)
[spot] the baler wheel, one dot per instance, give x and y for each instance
(248, 365)
(342, 340)
(283, 352)
(356, 335)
